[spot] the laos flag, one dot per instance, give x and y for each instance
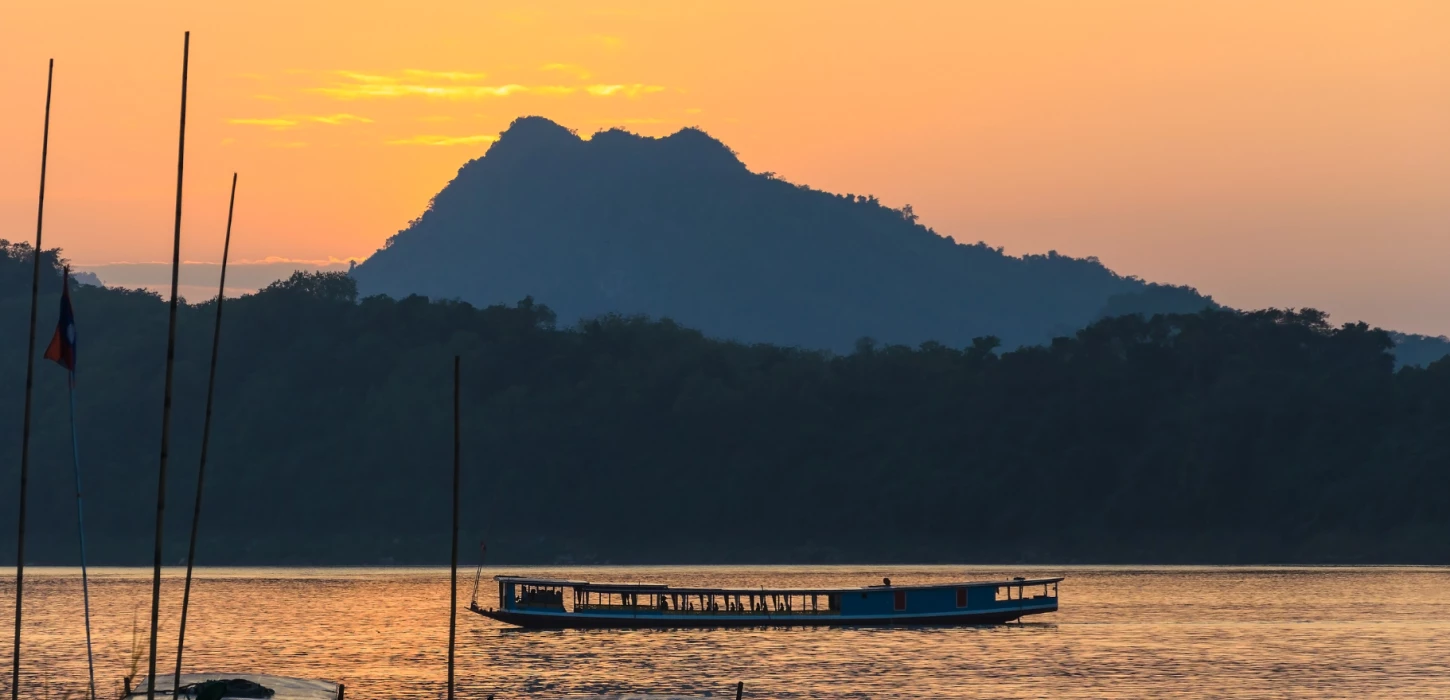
(62, 348)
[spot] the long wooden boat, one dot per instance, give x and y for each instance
(541, 602)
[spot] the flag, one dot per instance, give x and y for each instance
(62, 348)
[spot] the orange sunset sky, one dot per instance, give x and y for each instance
(1270, 153)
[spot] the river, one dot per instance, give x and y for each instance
(1122, 632)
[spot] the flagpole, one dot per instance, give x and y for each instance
(81, 526)
(166, 394)
(216, 340)
(29, 384)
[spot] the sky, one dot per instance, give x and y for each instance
(1268, 152)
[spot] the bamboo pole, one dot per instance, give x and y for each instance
(166, 395)
(216, 340)
(81, 525)
(453, 574)
(478, 574)
(29, 386)
(75, 445)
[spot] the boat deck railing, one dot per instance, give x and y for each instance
(540, 605)
(597, 607)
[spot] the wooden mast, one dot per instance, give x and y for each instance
(166, 395)
(29, 386)
(75, 447)
(216, 340)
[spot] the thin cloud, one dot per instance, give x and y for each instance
(630, 90)
(366, 78)
(267, 98)
(567, 68)
(273, 123)
(294, 121)
(289, 144)
(364, 91)
(436, 140)
(337, 119)
(454, 85)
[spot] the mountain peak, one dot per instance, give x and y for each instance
(537, 131)
(677, 226)
(534, 139)
(531, 138)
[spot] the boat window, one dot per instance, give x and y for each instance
(961, 597)
(539, 595)
(1004, 593)
(899, 602)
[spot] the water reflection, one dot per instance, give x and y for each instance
(1122, 632)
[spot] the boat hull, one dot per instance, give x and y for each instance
(568, 620)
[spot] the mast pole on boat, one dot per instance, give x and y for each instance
(478, 573)
(453, 572)
(166, 395)
(29, 385)
(216, 340)
(75, 445)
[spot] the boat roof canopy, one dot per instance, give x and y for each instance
(539, 581)
(664, 588)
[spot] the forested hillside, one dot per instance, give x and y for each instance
(1217, 436)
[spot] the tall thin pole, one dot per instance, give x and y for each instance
(67, 326)
(81, 526)
(478, 573)
(216, 340)
(166, 395)
(29, 385)
(453, 580)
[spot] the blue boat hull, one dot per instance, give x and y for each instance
(554, 620)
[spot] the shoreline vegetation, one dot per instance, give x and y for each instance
(1220, 437)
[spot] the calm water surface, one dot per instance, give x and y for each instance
(1121, 633)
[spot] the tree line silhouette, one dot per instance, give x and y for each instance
(1217, 436)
